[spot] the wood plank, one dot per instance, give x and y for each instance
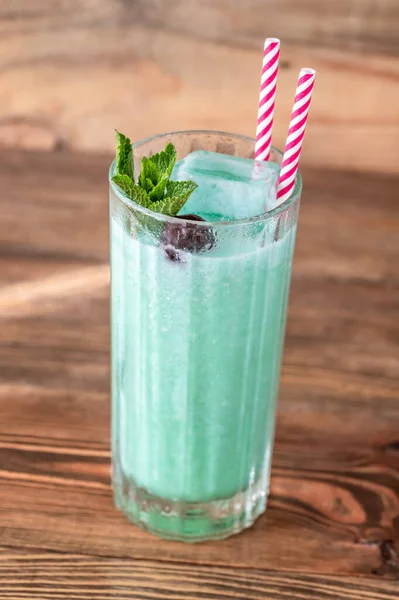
(327, 329)
(348, 24)
(55, 473)
(55, 207)
(332, 487)
(51, 576)
(68, 217)
(335, 485)
(70, 75)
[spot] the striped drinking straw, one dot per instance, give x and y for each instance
(296, 133)
(267, 97)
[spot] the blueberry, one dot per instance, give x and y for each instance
(186, 237)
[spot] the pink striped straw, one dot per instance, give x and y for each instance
(296, 133)
(267, 97)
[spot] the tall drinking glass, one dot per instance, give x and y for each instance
(197, 338)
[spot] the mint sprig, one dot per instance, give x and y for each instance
(154, 189)
(124, 155)
(133, 191)
(165, 160)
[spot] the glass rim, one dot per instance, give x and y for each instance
(131, 205)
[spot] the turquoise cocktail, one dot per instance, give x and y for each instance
(198, 318)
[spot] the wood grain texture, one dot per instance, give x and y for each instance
(334, 508)
(349, 24)
(72, 72)
(50, 576)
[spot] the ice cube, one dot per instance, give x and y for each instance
(229, 187)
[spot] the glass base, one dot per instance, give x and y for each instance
(189, 521)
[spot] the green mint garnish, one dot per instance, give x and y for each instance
(154, 190)
(165, 161)
(133, 191)
(124, 155)
(151, 181)
(177, 194)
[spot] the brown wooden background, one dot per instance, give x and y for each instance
(72, 70)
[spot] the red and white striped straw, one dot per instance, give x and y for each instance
(267, 97)
(296, 133)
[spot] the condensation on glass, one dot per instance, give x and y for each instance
(197, 338)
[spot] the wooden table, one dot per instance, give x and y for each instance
(332, 526)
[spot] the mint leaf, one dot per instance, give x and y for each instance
(158, 191)
(177, 194)
(148, 185)
(151, 180)
(149, 175)
(132, 190)
(124, 155)
(165, 161)
(184, 189)
(153, 189)
(168, 206)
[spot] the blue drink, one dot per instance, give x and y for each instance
(197, 339)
